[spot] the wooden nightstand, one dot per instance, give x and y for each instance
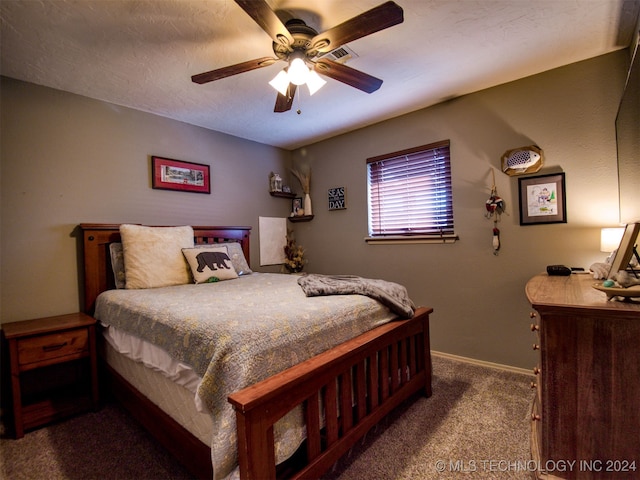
(53, 368)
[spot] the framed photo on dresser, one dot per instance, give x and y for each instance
(627, 249)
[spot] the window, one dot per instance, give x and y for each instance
(410, 193)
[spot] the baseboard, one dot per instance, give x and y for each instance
(482, 363)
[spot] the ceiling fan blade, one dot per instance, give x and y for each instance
(378, 18)
(284, 102)
(262, 14)
(350, 76)
(233, 70)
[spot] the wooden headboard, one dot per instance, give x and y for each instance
(98, 274)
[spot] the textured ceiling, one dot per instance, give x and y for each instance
(142, 53)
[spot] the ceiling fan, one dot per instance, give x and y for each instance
(302, 47)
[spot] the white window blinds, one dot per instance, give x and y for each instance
(410, 192)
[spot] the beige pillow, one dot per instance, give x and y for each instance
(153, 255)
(210, 263)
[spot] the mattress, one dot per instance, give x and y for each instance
(174, 399)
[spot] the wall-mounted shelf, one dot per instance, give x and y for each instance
(301, 218)
(283, 195)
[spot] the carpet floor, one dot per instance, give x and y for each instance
(475, 425)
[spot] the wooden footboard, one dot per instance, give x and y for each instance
(359, 382)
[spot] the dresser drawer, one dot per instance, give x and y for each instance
(45, 349)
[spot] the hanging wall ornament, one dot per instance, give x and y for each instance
(495, 207)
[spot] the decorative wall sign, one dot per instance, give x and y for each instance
(170, 174)
(337, 198)
(542, 199)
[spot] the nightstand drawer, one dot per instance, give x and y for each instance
(45, 349)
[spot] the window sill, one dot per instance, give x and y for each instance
(397, 239)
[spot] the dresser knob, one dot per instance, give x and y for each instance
(533, 314)
(535, 328)
(536, 370)
(536, 346)
(535, 417)
(533, 385)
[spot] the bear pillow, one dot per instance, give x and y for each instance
(209, 264)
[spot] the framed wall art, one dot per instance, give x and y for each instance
(542, 199)
(337, 197)
(170, 174)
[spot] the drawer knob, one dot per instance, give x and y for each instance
(536, 346)
(536, 370)
(54, 347)
(535, 328)
(535, 417)
(533, 385)
(533, 314)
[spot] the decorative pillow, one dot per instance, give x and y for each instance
(153, 255)
(234, 249)
(209, 263)
(117, 264)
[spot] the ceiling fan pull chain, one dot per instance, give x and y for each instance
(298, 100)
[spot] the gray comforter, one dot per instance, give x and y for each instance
(390, 294)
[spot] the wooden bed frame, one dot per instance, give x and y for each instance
(359, 381)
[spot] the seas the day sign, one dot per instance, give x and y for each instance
(337, 198)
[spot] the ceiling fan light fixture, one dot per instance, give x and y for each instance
(298, 71)
(281, 82)
(315, 82)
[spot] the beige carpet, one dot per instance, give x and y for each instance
(476, 425)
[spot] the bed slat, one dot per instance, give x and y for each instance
(312, 421)
(331, 411)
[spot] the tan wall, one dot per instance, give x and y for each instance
(480, 307)
(67, 159)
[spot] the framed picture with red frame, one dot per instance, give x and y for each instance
(170, 174)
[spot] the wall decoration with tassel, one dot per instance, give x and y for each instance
(495, 207)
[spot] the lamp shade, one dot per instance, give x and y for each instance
(280, 82)
(610, 239)
(314, 82)
(298, 71)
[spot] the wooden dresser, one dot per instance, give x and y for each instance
(586, 416)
